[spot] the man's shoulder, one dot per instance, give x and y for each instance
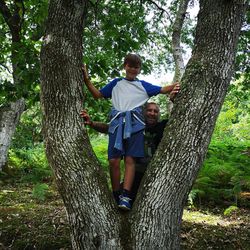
(161, 123)
(158, 127)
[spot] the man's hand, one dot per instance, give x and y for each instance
(84, 114)
(174, 91)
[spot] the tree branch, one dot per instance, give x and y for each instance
(14, 20)
(7, 68)
(160, 8)
(176, 40)
(157, 5)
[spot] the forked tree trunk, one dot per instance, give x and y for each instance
(155, 220)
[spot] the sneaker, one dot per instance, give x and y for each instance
(124, 203)
(116, 195)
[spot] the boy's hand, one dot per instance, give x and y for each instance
(84, 114)
(174, 91)
(85, 74)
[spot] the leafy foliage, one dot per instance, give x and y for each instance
(230, 210)
(30, 164)
(225, 172)
(40, 191)
(22, 52)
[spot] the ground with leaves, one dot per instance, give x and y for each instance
(30, 222)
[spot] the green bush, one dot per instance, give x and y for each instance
(40, 191)
(225, 172)
(30, 164)
(230, 210)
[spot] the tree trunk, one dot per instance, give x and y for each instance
(81, 182)
(187, 135)
(155, 220)
(9, 118)
(10, 114)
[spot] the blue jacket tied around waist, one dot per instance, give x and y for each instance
(126, 123)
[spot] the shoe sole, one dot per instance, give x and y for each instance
(124, 207)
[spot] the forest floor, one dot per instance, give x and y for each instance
(27, 223)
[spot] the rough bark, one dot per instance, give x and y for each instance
(92, 215)
(187, 136)
(9, 118)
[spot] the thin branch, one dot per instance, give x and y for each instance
(160, 8)
(7, 68)
(176, 40)
(157, 5)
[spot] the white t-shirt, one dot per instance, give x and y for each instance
(127, 95)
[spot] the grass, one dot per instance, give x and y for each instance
(30, 223)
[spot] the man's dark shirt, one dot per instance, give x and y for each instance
(152, 138)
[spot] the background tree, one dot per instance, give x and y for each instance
(156, 216)
(19, 59)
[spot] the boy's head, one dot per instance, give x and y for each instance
(132, 65)
(133, 60)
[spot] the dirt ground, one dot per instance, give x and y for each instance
(26, 223)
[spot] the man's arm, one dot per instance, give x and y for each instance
(93, 90)
(98, 126)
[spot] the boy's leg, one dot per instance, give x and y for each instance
(125, 201)
(134, 147)
(114, 157)
(129, 173)
(114, 168)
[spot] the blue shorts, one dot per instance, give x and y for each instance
(133, 146)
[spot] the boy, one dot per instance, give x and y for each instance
(126, 138)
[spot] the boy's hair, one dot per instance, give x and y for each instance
(133, 60)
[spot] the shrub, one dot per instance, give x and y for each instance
(40, 191)
(31, 164)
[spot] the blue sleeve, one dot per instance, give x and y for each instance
(151, 89)
(107, 89)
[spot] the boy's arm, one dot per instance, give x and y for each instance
(167, 89)
(98, 126)
(93, 90)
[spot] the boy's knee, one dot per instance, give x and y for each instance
(114, 162)
(129, 160)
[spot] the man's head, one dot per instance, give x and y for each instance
(151, 113)
(132, 65)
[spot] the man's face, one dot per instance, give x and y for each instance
(132, 71)
(151, 114)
